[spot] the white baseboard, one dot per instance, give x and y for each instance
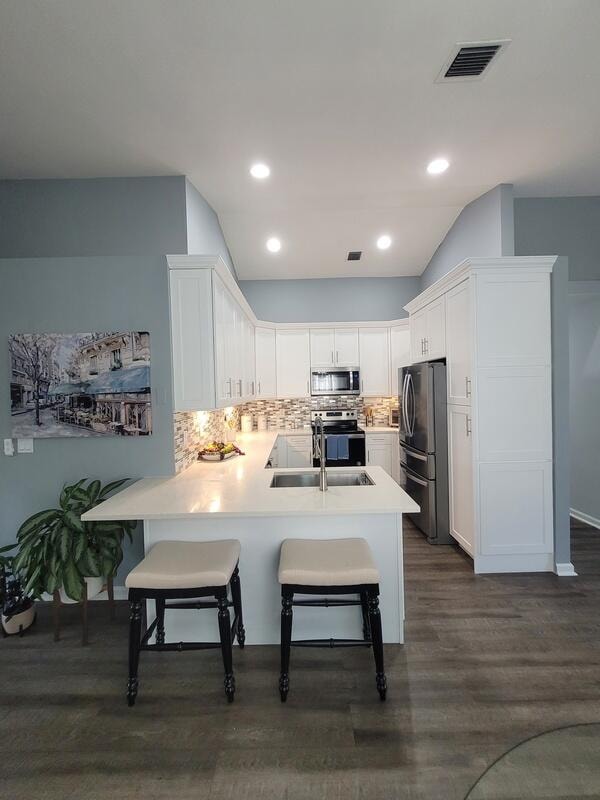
(587, 518)
(565, 570)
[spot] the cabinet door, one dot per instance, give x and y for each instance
(346, 347)
(374, 362)
(400, 350)
(322, 348)
(458, 344)
(192, 339)
(418, 334)
(460, 463)
(224, 328)
(293, 363)
(235, 351)
(266, 369)
(435, 329)
(299, 451)
(249, 361)
(379, 452)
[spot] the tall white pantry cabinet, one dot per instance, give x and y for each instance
(498, 354)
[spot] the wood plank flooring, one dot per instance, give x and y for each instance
(489, 661)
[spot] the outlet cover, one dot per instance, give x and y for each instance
(9, 448)
(24, 445)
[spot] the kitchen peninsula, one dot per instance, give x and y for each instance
(235, 499)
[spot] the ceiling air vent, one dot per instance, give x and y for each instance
(469, 60)
(354, 255)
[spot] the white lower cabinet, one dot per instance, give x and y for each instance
(382, 451)
(460, 463)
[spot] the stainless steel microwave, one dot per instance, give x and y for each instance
(334, 381)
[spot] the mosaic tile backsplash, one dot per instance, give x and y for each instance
(195, 428)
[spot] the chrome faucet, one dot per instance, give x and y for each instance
(320, 438)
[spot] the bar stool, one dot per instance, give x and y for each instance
(180, 571)
(331, 567)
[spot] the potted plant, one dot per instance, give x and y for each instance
(99, 422)
(58, 551)
(18, 611)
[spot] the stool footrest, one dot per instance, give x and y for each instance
(330, 643)
(326, 602)
(181, 646)
(195, 604)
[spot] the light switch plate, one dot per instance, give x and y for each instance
(24, 445)
(9, 448)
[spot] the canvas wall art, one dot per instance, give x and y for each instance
(80, 384)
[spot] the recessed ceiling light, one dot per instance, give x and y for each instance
(384, 242)
(260, 171)
(437, 166)
(273, 245)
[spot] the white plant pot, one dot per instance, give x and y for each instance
(19, 622)
(94, 587)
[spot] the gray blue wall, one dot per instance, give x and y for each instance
(99, 216)
(566, 226)
(330, 299)
(204, 234)
(584, 330)
(79, 295)
(484, 228)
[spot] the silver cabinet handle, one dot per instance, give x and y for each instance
(240, 386)
(258, 388)
(252, 382)
(422, 347)
(467, 386)
(307, 387)
(337, 356)
(468, 425)
(230, 387)
(426, 345)
(332, 361)
(362, 385)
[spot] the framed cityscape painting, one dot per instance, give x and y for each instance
(80, 384)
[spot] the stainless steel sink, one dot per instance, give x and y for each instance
(311, 479)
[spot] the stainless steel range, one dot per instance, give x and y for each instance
(344, 440)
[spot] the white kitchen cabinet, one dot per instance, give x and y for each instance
(459, 344)
(374, 347)
(460, 473)
(400, 353)
(266, 363)
(333, 347)
(346, 347)
(428, 331)
(293, 362)
(249, 365)
(380, 451)
(322, 348)
(299, 451)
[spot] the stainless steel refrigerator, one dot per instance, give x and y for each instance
(423, 430)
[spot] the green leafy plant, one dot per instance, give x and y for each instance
(57, 549)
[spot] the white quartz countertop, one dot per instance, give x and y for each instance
(240, 486)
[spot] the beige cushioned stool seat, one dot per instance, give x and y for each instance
(185, 565)
(327, 562)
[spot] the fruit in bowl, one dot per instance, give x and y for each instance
(218, 451)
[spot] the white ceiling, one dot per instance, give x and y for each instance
(338, 96)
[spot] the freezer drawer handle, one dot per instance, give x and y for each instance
(414, 455)
(415, 480)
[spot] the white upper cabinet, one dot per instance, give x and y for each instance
(330, 348)
(428, 331)
(249, 366)
(459, 340)
(400, 353)
(346, 347)
(266, 364)
(192, 339)
(322, 348)
(374, 347)
(293, 362)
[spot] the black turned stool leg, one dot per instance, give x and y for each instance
(236, 594)
(286, 638)
(364, 602)
(377, 641)
(135, 633)
(225, 634)
(160, 620)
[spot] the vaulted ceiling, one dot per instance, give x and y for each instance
(337, 96)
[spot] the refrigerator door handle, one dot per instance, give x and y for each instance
(404, 413)
(411, 422)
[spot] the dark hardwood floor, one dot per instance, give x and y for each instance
(489, 661)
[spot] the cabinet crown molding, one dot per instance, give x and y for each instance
(505, 264)
(216, 263)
